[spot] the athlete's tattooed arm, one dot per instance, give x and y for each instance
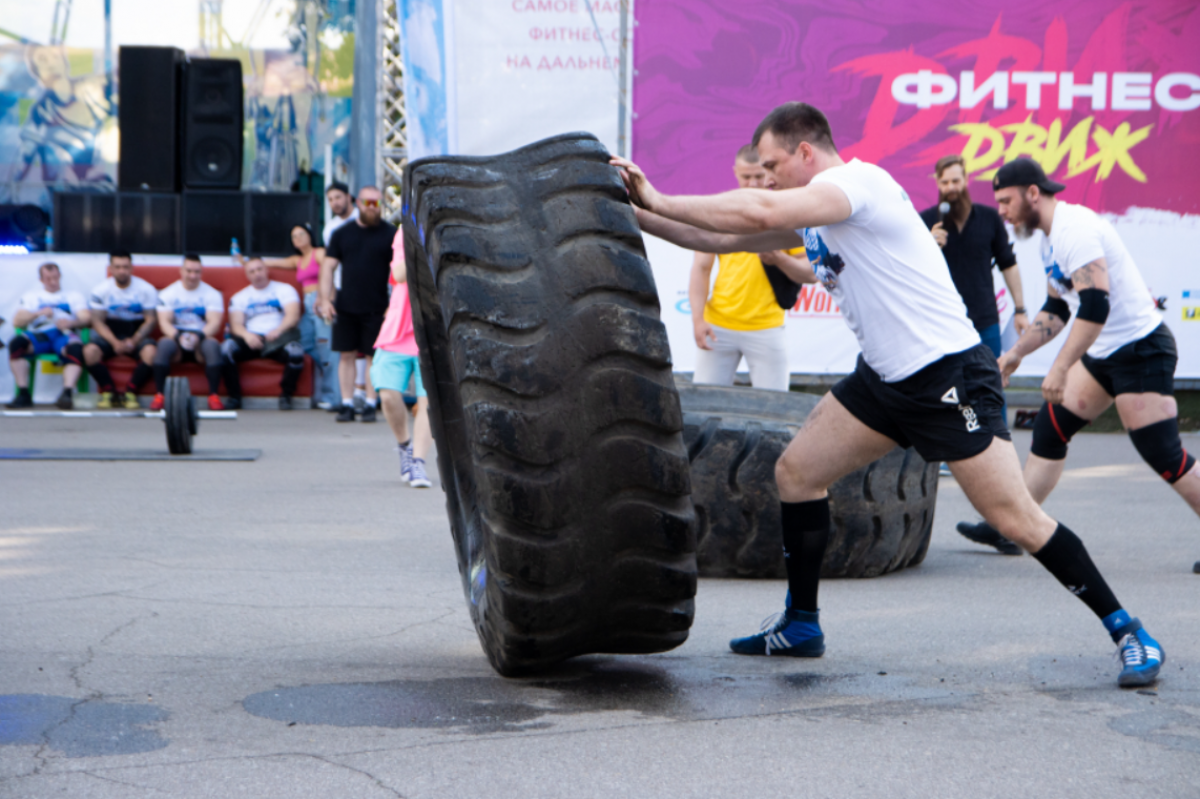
(1084, 332)
(1045, 326)
(1093, 275)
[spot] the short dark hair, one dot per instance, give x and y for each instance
(337, 185)
(46, 266)
(748, 153)
(947, 161)
(192, 256)
(119, 254)
(793, 123)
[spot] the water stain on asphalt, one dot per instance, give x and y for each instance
(491, 703)
(1168, 714)
(79, 728)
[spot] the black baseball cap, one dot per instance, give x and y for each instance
(1024, 172)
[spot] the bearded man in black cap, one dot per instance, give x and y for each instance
(1119, 349)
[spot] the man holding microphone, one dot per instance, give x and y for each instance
(972, 238)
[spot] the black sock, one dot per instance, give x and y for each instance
(161, 370)
(805, 534)
(141, 374)
(102, 376)
(1065, 557)
(213, 372)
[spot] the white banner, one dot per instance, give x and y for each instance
(487, 76)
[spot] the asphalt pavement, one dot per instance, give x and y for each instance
(295, 626)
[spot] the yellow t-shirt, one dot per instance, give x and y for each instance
(742, 298)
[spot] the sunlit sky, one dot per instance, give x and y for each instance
(149, 22)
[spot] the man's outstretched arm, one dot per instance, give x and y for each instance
(691, 237)
(742, 211)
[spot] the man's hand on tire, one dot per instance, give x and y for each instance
(641, 193)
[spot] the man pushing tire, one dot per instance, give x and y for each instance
(924, 379)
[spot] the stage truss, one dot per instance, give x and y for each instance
(391, 140)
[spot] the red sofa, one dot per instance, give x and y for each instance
(260, 378)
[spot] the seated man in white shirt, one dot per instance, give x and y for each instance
(263, 323)
(123, 321)
(51, 319)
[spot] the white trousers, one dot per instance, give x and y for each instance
(765, 352)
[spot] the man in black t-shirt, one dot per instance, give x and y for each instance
(364, 249)
(972, 238)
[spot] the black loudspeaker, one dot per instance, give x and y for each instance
(272, 217)
(23, 226)
(149, 118)
(261, 222)
(211, 219)
(136, 221)
(148, 223)
(212, 123)
(85, 222)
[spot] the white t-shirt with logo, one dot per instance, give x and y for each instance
(1078, 236)
(191, 307)
(888, 275)
(66, 305)
(129, 304)
(263, 307)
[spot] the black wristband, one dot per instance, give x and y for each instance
(1018, 310)
(1056, 306)
(1093, 305)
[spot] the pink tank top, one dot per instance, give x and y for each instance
(310, 275)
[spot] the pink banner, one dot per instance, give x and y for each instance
(1104, 94)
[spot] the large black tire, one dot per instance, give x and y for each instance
(179, 414)
(552, 403)
(882, 514)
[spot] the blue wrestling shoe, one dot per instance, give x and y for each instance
(1140, 655)
(793, 633)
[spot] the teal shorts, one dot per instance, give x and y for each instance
(393, 370)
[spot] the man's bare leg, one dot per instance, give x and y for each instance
(346, 370)
(1085, 400)
(831, 444)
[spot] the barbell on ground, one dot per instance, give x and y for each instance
(179, 414)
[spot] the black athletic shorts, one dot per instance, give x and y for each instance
(1140, 367)
(356, 332)
(107, 351)
(948, 411)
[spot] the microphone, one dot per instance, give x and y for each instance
(943, 209)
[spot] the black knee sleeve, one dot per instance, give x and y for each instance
(74, 354)
(18, 347)
(1159, 446)
(1052, 429)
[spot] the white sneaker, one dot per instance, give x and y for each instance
(406, 459)
(417, 478)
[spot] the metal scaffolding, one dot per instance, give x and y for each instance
(391, 140)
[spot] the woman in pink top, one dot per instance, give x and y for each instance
(315, 332)
(394, 365)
